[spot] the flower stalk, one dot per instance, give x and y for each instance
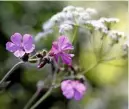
(10, 71)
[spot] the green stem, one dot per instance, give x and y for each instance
(31, 100)
(108, 51)
(90, 68)
(101, 46)
(10, 71)
(106, 60)
(46, 94)
(75, 33)
(43, 98)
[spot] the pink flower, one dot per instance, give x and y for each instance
(20, 45)
(60, 48)
(73, 89)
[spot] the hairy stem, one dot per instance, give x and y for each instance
(42, 98)
(101, 46)
(10, 71)
(47, 93)
(31, 100)
(75, 33)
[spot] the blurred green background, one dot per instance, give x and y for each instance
(107, 83)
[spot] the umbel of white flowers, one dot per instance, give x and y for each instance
(72, 16)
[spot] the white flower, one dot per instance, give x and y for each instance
(75, 14)
(97, 25)
(59, 17)
(109, 20)
(65, 27)
(69, 16)
(47, 25)
(91, 11)
(125, 47)
(115, 35)
(120, 34)
(83, 17)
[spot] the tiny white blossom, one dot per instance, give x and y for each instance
(125, 47)
(69, 16)
(75, 14)
(109, 20)
(65, 27)
(59, 17)
(115, 35)
(83, 17)
(91, 11)
(121, 34)
(97, 25)
(47, 25)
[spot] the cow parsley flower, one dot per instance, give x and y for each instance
(97, 25)
(65, 27)
(91, 11)
(60, 49)
(125, 47)
(115, 35)
(20, 45)
(73, 89)
(109, 21)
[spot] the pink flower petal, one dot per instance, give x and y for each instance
(64, 84)
(11, 47)
(28, 43)
(66, 58)
(55, 49)
(60, 48)
(77, 95)
(63, 40)
(67, 89)
(80, 88)
(67, 46)
(16, 39)
(68, 93)
(19, 53)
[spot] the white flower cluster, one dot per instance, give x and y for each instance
(97, 25)
(125, 46)
(71, 16)
(115, 35)
(109, 20)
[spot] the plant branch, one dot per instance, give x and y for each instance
(48, 92)
(10, 71)
(74, 34)
(31, 100)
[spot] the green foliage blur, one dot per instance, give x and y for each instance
(106, 83)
